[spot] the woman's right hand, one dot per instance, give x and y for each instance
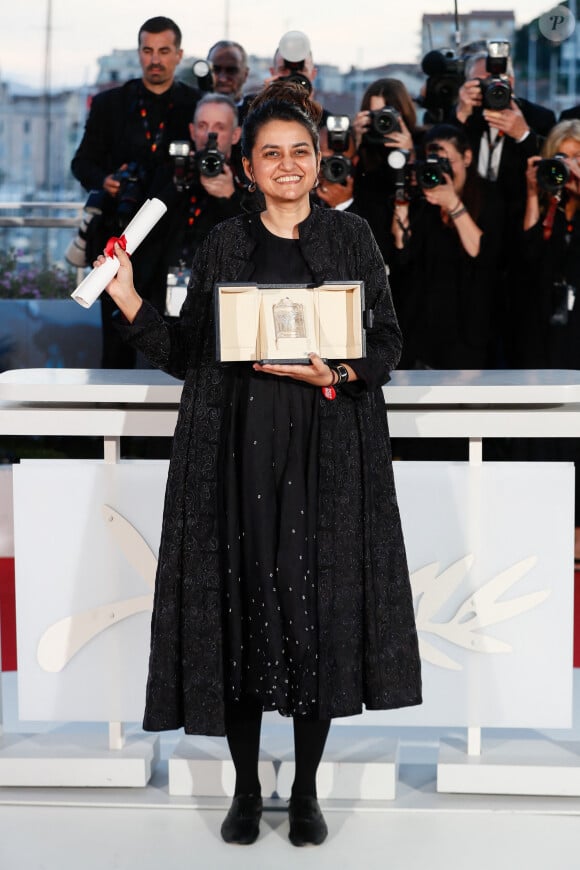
(532, 176)
(360, 125)
(121, 288)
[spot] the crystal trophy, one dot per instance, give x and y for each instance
(288, 319)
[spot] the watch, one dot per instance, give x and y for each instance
(342, 374)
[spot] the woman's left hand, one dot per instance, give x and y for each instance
(317, 373)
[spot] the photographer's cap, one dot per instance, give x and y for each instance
(294, 46)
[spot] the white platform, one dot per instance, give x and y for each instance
(510, 767)
(66, 760)
(201, 766)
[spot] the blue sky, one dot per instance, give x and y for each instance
(344, 33)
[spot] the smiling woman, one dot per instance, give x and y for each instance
(282, 580)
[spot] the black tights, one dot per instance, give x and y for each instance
(243, 723)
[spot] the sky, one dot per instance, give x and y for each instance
(363, 34)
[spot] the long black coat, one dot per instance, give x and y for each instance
(186, 675)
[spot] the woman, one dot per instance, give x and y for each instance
(551, 256)
(550, 266)
(375, 180)
(282, 580)
(445, 265)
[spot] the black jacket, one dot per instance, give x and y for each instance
(186, 676)
(511, 179)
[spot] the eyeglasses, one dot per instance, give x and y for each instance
(228, 70)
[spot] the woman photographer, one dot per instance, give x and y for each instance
(445, 258)
(282, 581)
(550, 264)
(551, 251)
(374, 183)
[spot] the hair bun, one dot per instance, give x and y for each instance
(289, 92)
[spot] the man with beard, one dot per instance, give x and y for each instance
(125, 142)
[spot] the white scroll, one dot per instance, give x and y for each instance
(93, 285)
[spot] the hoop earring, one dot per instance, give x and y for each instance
(252, 187)
(316, 184)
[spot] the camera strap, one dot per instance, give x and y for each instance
(153, 140)
(548, 222)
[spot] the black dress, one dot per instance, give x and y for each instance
(270, 490)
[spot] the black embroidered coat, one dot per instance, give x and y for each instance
(186, 669)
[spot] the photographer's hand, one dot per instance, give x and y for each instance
(111, 184)
(121, 289)
(468, 99)
(400, 139)
(455, 213)
(221, 186)
(360, 125)
(510, 121)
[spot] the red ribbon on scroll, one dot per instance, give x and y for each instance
(110, 246)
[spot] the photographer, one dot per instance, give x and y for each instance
(551, 251)
(550, 264)
(445, 258)
(502, 140)
(338, 160)
(386, 121)
(503, 130)
(126, 140)
(201, 188)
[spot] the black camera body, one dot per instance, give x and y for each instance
(496, 91)
(553, 173)
(337, 168)
(210, 161)
(445, 75)
(431, 171)
(131, 191)
(383, 122)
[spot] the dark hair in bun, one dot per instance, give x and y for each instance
(281, 101)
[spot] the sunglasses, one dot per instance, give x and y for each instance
(228, 70)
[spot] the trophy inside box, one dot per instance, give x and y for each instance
(284, 323)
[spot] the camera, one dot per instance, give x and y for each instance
(202, 72)
(445, 75)
(431, 171)
(398, 160)
(337, 168)
(131, 193)
(563, 299)
(553, 173)
(383, 122)
(76, 252)
(496, 91)
(210, 160)
(297, 76)
(180, 152)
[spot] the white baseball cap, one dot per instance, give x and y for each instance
(294, 46)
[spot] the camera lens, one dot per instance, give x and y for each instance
(210, 165)
(553, 174)
(336, 169)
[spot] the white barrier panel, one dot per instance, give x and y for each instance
(490, 552)
(6, 522)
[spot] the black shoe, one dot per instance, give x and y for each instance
(307, 825)
(242, 823)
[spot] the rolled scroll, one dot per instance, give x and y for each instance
(93, 285)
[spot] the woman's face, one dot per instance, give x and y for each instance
(571, 148)
(284, 163)
(459, 162)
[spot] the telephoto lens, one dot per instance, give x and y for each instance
(553, 173)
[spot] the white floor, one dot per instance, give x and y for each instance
(148, 829)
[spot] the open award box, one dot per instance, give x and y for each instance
(283, 323)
